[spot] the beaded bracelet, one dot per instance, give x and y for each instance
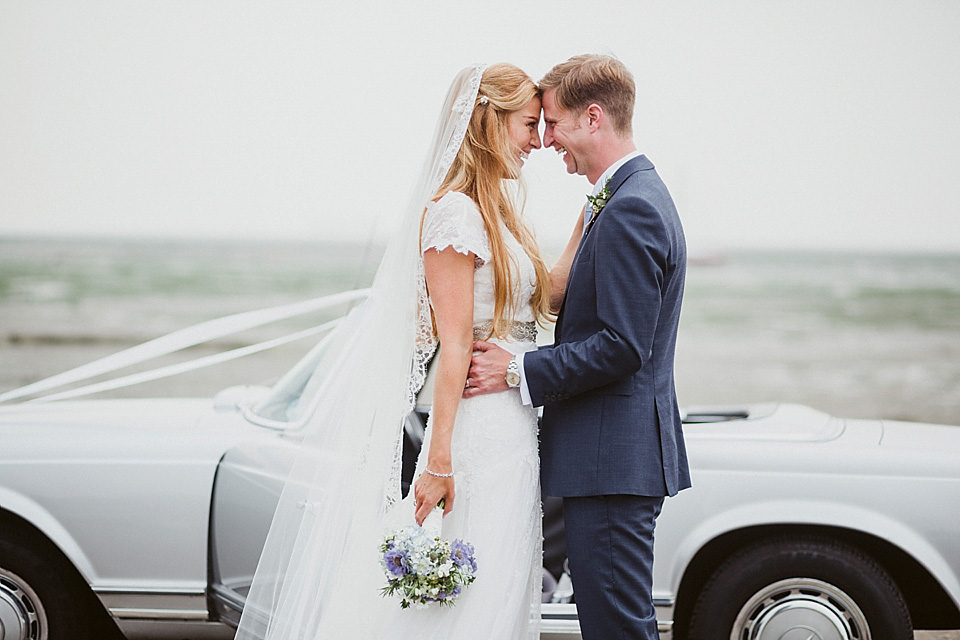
(439, 475)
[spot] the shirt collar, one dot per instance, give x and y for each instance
(612, 169)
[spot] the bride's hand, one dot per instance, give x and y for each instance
(428, 491)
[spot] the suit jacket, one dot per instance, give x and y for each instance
(611, 423)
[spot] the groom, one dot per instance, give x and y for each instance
(611, 440)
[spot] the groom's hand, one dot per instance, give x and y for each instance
(488, 370)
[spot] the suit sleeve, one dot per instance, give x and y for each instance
(629, 264)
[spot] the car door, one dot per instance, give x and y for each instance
(246, 490)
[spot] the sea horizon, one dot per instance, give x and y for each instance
(872, 334)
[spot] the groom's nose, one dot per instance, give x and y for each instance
(547, 137)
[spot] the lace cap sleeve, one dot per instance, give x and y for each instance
(454, 221)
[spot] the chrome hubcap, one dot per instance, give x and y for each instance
(800, 609)
(21, 615)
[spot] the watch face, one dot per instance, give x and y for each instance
(513, 378)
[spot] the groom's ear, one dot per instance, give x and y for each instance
(595, 115)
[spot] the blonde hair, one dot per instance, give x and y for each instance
(479, 171)
(589, 78)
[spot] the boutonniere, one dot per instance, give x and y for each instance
(599, 201)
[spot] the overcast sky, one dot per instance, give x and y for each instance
(815, 124)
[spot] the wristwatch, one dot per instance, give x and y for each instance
(513, 373)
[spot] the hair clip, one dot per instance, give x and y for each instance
(484, 99)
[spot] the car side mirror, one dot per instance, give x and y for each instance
(234, 399)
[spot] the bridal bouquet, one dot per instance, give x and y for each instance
(421, 568)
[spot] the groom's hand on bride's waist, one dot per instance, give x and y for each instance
(488, 370)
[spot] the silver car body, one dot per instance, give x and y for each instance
(160, 505)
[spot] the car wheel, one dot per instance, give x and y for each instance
(797, 589)
(38, 600)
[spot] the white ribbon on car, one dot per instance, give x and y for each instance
(182, 339)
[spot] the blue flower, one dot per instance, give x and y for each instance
(462, 554)
(396, 562)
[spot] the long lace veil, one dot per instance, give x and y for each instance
(322, 545)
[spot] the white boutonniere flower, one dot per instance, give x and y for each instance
(599, 201)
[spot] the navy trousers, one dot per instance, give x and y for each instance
(610, 547)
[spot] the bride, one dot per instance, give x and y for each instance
(463, 267)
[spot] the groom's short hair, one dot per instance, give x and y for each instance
(589, 78)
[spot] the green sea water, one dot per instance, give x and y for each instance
(860, 335)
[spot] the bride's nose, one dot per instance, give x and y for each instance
(535, 140)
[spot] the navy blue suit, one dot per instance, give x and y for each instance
(611, 442)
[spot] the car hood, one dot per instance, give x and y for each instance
(119, 429)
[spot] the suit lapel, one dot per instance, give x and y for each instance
(640, 163)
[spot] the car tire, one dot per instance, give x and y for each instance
(39, 599)
(800, 587)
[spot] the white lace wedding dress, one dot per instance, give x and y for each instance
(494, 448)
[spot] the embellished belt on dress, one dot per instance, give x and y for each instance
(521, 331)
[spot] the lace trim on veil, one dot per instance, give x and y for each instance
(463, 107)
(426, 341)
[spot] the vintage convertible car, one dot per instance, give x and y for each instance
(147, 516)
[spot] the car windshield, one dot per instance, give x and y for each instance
(284, 404)
(291, 400)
